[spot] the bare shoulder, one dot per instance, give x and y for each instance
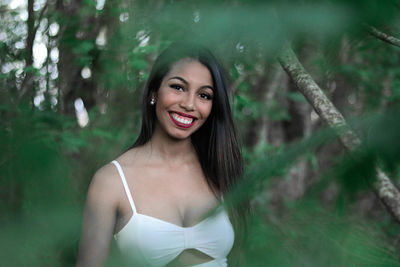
(107, 178)
(106, 175)
(132, 156)
(105, 184)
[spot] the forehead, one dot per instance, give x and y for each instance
(191, 70)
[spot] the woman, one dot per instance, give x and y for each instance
(154, 198)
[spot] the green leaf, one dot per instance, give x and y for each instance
(139, 64)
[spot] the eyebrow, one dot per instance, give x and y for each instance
(186, 82)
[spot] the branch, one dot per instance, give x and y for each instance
(32, 30)
(41, 14)
(383, 187)
(383, 36)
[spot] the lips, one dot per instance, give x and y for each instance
(182, 120)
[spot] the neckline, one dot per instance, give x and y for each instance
(134, 210)
(132, 218)
(170, 223)
(217, 211)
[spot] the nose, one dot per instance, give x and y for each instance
(187, 102)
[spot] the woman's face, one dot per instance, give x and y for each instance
(184, 99)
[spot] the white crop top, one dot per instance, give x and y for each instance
(148, 241)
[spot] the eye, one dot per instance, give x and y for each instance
(206, 96)
(177, 87)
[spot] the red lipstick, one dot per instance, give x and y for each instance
(181, 124)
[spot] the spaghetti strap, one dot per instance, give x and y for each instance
(127, 191)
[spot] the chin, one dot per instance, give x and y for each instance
(181, 135)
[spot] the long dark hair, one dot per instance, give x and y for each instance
(215, 142)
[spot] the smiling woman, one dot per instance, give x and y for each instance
(184, 100)
(154, 198)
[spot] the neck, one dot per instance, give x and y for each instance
(170, 150)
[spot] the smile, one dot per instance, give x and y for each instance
(182, 120)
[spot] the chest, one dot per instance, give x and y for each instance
(180, 195)
(153, 242)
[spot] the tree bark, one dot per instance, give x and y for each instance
(26, 85)
(258, 82)
(31, 33)
(383, 187)
(75, 29)
(384, 37)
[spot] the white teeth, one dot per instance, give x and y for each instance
(181, 119)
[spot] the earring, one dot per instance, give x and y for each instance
(152, 101)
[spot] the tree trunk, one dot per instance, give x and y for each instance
(383, 187)
(31, 33)
(77, 29)
(259, 89)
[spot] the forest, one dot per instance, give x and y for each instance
(315, 92)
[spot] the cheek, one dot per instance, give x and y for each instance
(164, 102)
(166, 98)
(207, 110)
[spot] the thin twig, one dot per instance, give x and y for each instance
(383, 36)
(42, 13)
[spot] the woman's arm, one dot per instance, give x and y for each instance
(99, 218)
